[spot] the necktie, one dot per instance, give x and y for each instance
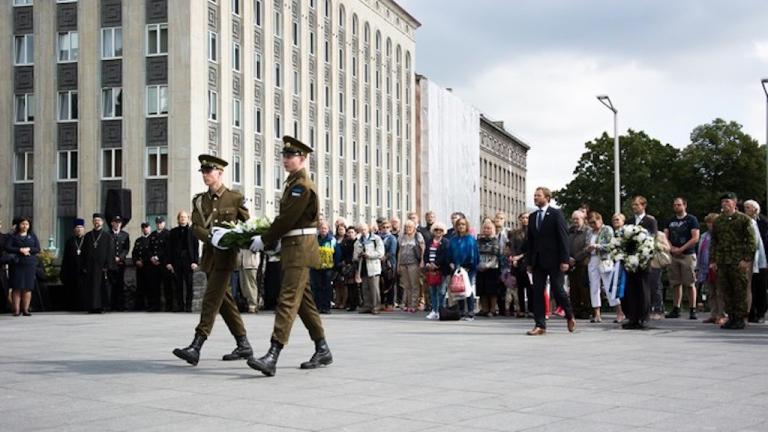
(539, 218)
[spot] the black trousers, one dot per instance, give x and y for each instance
(759, 295)
(117, 287)
(557, 290)
(142, 301)
(183, 289)
(636, 302)
(160, 284)
(523, 288)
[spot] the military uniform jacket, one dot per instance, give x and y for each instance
(122, 245)
(213, 209)
(732, 239)
(298, 209)
(141, 250)
(157, 244)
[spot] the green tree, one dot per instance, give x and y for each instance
(720, 158)
(647, 168)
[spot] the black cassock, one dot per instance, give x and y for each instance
(73, 272)
(98, 257)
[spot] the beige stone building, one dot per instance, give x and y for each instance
(502, 171)
(106, 94)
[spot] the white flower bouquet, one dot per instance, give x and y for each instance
(239, 235)
(633, 246)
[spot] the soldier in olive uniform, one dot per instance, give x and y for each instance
(295, 229)
(731, 253)
(212, 209)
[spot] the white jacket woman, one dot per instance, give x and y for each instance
(373, 247)
(368, 252)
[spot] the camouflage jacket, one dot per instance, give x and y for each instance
(732, 239)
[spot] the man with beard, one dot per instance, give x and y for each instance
(141, 256)
(98, 257)
(117, 272)
(72, 273)
(181, 261)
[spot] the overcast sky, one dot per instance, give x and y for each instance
(668, 66)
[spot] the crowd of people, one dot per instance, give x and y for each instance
(388, 265)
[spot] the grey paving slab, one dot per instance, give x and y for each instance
(392, 372)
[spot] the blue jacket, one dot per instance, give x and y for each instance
(390, 247)
(14, 242)
(463, 253)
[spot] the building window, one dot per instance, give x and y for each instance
(354, 66)
(22, 2)
(24, 49)
(236, 170)
(354, 192)
(157, 39)
(213, 105)
(25, 167)
(366, 73)
(327, 51)
(278, 25)
(236, 56)
(327, 142)
(366, 152)
(258, 174)
(67, 106)
(341, 102)
(295, 33)
(341, 147)
(378, 40)
(311, 4)
(327, 97)
(296, 129)
(378, 157)
(111, 43)
(278, 177)
(257, 13)
(236, 7)
(236, 113)
(378, 197)
(312, 43)
(378, 118)
(111, 103)
(354, 108)
(354, 151)
(67, 165)
(354, 24)
(278, 74)
(112, 163)
(341, 189)
(213, 55)
(157, 162)
(257, 66)
(312, 136)
(367, 195)
(157, 100)
(296, 83)
(341, 59)
(278, 127)
(25, 108)
(378, 79)
(367, 114)
(69, 47)
(312, 90)
(257, 120)
(327, 187)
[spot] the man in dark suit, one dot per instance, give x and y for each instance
(651, 299)
(116, 274)
(181, 260)
(546, 252)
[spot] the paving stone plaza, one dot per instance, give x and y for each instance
(393, 372)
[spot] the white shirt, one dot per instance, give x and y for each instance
(638, 218)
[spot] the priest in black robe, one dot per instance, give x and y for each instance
(72, 273)
(98, 258)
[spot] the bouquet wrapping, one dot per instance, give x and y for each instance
(239, 235)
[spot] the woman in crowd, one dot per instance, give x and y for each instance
(617, 221)
(368, 251)
(600, 266)
(321, 277)
(488, 268)
(435, 258)
(388, 280)
(515, 244)
(706, 277)
(349, 269)
(409, 262)
(339, 287)
(579, 261)
(23, 244)
(463, 253)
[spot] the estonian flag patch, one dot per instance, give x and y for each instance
(297, 191)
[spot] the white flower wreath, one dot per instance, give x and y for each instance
(633, 246)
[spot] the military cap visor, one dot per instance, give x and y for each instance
(211, 162)
(292, 146)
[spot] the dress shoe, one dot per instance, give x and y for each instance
(242, 351)
(191, 354)
(537, 331)
(26, 313)
(571, 325)
(675, 313)
(692, 314)
(631, 325)
(267, 364)
(321, 357)
(732, 324)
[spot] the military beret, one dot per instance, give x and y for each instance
(728, 195)
(78, 222)
(292, 146)
(211, 162)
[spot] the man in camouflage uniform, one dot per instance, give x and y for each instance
(212, 209)
(731, 253)
(295, 228)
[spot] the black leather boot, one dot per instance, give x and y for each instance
(242, 351)
(321, 357)
(268, 363)
(191, 353)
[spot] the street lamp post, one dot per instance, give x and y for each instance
(764, 82)
(605, 100)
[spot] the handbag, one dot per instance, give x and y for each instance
(450, 313)
(434, 278)
(460, 286)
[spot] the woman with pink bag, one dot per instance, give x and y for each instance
(436, 269)
(463, 253)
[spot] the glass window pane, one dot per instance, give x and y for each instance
(30, 39)
(73, 165)
(106, 43)
(20, 108)
(106, 103)
(164, 161)
(152, 162)
(151, 100)
(118, 162)
(163, 39)
(73, 105)
(118, 98)
(74, 46)
(63, 165)
(63, 46)
(19, 49)
(118, 42)
(163, 100)
(30, 166)
(19, 166)
(106, 163)
(152, 40)
(63, 106)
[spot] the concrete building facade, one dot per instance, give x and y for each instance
(106, 94)
(503, 171)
